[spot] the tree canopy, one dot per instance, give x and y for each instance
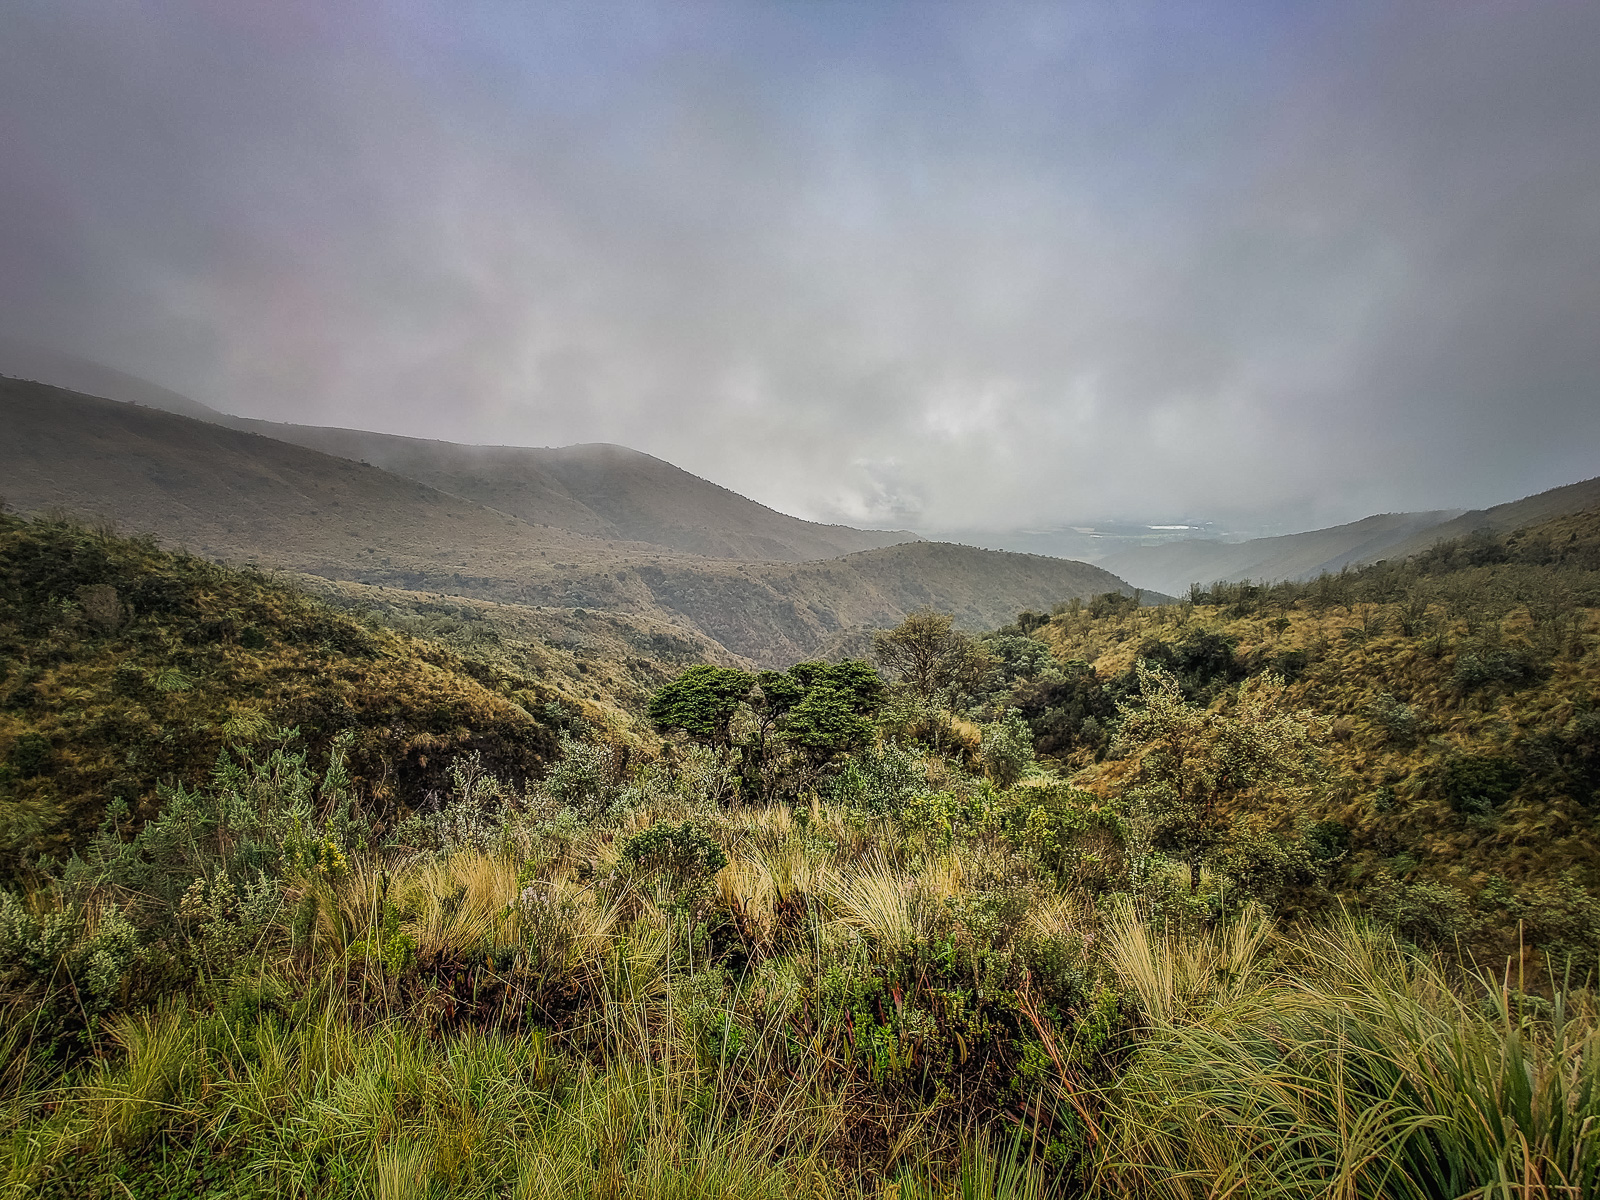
(1195, 764)
(701, 702)
(785, 725)
(928, 656)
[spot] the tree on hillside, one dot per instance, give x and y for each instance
(835, 714)
(702, 703)
(1198, 767)
(785, 725)
(927, 656)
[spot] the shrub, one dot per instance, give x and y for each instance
(1424, 911)
(1478, 784)
(684, 853)
(1399, 723)
(1497, 669)
(31, 755)
(878, 782)
(1007, 749)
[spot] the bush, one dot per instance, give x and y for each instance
(1007, 750)
(31, 755)
(685, 853)
(1425, 912)
(1264, 867)
(878, 782)
(1504, 670)
(1399, 723)
(1479, 784)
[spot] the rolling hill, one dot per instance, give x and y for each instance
(240, 496)
(1173, 566)
(27, 360)
(601, 491)
(1545, 506)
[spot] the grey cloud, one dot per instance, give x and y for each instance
(962, 266)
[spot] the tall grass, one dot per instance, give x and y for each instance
(317, 1106)
(1339, 1065)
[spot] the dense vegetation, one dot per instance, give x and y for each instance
(1280, 891)
(123, 667)
(1460, 789)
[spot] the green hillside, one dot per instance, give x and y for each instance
(1572, 499)
(1278, 890)
(1095, 904)
(124, 668)
(1462, 691)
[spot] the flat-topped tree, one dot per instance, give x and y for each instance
(835, 714)
(786, 725)
(702, 703)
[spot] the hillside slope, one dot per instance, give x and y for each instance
(238, 495)
(28, 361)
(778, 613)
(244, 497)
(1503, 518)
(1462, 691)
(124, 668)
(1173, 566)
(602, 491)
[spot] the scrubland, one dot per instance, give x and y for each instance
(1108, 903)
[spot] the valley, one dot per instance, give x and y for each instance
(247, 498)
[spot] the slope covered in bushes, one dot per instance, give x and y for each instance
(1461, 688)
(123, 668)
(1099, 905)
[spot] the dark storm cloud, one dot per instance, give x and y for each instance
(916, 264)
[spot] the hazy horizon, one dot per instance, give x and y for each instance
(930, 266)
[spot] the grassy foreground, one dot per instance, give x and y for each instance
(607, 985)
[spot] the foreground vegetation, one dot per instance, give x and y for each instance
(1100, 904)
(618, 988)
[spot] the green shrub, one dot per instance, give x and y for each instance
(1399, 723)
(31, 755)
(1424, 911)
(1479, 784)
(684, 852)
(1007, 750)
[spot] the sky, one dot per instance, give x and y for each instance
(920, 265)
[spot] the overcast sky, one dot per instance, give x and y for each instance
(922, 264)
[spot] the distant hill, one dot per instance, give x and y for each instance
(24, 360)
(244, 497)
(1504, 518)
(600, 491)
(782, 612)
(1173, 566)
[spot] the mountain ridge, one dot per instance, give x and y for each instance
(1173, 566)
(598, 490)
(245, 497)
